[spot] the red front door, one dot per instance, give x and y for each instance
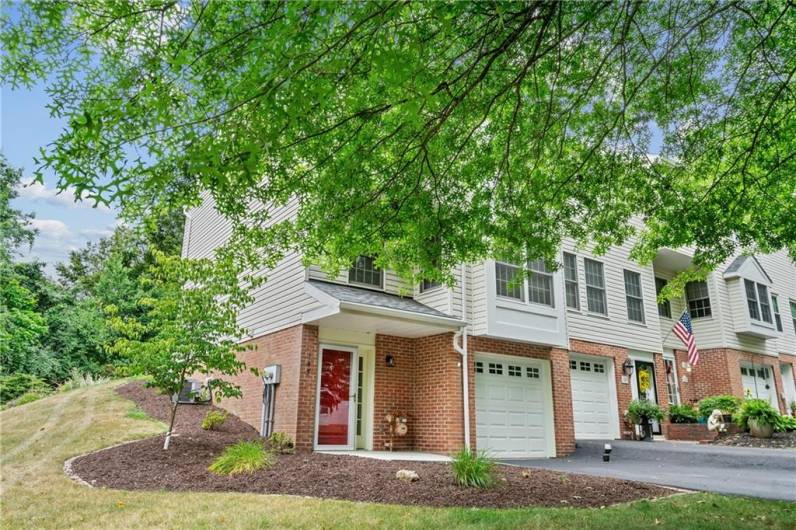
(335, 397)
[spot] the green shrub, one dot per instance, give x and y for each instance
(281, 443)
(473, 470)
(643, 408)
(786, 424)
(683, 414)
(757, 409)
(725, 403)
(27, 397)
(242, 457)
(214, 419)
(15, 385)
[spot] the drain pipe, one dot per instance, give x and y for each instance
(462, 350)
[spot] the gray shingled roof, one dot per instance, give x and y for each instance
(359, 295)
(739, 261)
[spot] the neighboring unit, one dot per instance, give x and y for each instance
(518, 365)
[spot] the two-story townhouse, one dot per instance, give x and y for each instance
(521, 368)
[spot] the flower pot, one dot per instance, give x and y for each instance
(760, 430)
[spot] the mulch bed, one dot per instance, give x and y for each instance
(144, 465)
(780, 440)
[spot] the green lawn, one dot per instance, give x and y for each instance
(38, 437)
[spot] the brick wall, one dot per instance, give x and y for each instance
(393, 390)
(283, 348)
(308, 384)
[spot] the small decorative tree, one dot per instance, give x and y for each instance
(189, 326)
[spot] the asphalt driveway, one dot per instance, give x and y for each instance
(766, 473)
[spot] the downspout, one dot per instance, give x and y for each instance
(462, 350)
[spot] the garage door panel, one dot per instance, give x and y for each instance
(592, 407)
(510, 418)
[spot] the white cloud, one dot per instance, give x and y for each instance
(51, 229)
(96, 233)
(36, 191)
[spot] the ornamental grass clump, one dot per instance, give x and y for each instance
(242, 457)
(473, 470)
(281, 443)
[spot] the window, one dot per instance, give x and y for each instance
(532, 372)
(599, 368)
(765, 307)
(508, 282)
(777, 315)
(365, 272)
(595, 286)
(479, 367)
(573, 365)
(428, 285)
(664, 309)
(496, 368)
(540, 283)
(635, 301)
(696, 293)
(793, 314)
(671, 381)
(515, 371)
(751, 300)
(585, 367)
(571, 280)
(757, 301)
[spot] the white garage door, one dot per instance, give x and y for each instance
(511, 407)
(758, 383)
(591, 399)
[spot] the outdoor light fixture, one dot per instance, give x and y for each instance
(607, 453)
(627, 367)
(390, 360)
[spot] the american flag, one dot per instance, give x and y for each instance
(685, 333)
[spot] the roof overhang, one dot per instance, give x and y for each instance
(373, 318)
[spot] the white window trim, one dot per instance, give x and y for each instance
(525, 286)
(708, 298)
(640, 298)
(758, 302)
(367, 285)
(576, 281)
(604, 288)
(776, 312)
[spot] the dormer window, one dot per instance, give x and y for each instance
(757, 301)
(365, 272)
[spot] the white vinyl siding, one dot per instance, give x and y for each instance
(634, 296)
(571, 280)
(595, 287)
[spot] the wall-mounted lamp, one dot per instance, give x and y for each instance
(627, 367)
(389, 360)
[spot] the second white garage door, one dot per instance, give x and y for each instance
(592, 406)
(513, 407)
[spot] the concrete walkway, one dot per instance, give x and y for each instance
(765, 473)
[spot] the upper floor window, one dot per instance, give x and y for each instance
(428, 285)
(571, 280)
(793, 314)
(664, 309)
(508, 282)
(777, 315)
(365, 272)
(635, 300)
(537, 286)
(595, 286)
(757, 301)
(540, 283)
(698, 298)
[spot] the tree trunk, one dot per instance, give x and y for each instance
(171, 423)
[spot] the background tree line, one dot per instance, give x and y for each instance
(53, 328)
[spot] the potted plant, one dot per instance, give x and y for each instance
(643, 412)
(758, 416)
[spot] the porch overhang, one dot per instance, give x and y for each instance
(359, 309)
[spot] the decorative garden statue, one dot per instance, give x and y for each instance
(716, 421)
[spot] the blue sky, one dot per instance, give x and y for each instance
(64, 223)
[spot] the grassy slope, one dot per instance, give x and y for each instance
(38, 437)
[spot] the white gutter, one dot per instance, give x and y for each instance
(462, 350)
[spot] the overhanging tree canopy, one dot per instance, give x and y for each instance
(430, 133)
